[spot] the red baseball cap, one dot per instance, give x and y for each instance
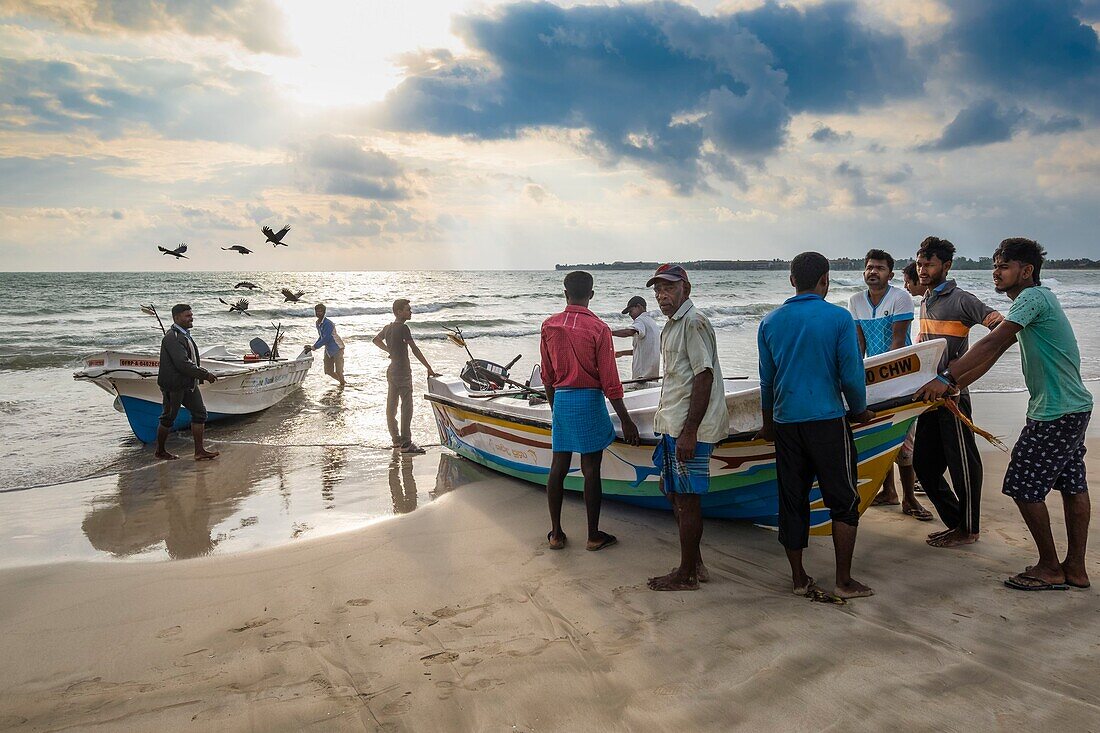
(671, 273)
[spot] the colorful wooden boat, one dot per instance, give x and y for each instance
(509, 434)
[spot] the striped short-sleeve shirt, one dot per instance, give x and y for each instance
(876, 322)
(949, 313)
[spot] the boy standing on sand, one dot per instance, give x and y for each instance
(578, 370)
(396, 340)
(1050, 453)
(809, 365)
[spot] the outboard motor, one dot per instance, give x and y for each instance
(260, 348)
(481, 375)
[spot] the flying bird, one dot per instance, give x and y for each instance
(246, 284)
(177, 252)
(290, 296)
(276, 238)
(238, 248)
(241, 306)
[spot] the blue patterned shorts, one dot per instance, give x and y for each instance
(1050, 454)
(683, 477)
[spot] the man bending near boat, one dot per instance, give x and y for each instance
(691, 418)
(178, 377)
(809, 365)
(1050, 453)
(579, 371)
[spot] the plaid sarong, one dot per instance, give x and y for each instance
(683, 477)
(579, 421)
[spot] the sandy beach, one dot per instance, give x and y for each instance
(456, 617)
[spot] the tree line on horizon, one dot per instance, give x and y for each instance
(840, 263)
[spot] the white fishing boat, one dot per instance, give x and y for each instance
(507, 432)
(246, 384)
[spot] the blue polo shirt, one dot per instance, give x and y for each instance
(810, 361)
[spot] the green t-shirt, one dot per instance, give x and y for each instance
(1049, 354)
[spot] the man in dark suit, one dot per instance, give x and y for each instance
(178, 378)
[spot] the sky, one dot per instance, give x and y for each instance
(447, 134)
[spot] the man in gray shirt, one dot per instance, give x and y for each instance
(396, 340)
(646, 364)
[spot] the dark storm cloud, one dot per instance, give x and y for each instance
(826, 134)
(655, 83)
(1040, 49)
(986, 122)
(256, 24)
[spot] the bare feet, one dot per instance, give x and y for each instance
(954, 538)
(701, 573)
(165, 456)
(852, 589)
(206, 455)
(674, 581)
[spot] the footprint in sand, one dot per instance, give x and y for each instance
(397, 707)
(253, 624)
(419, 622)
(445, 612)
(359, 602)
(169, 632)
(439, 658)
(294, 644)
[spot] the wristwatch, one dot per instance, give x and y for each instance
(946, 378)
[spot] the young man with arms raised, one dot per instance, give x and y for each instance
(579, 371)
(646, 363)
(943, 442)
(809, 365)
(883, 315)
(178, 377)
(1051, 449)
(396, 340)
(334, 345)
(691, 417)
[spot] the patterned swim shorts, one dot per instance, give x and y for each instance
(1050, 454)
(683, 477)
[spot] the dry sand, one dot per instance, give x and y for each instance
(457, 618)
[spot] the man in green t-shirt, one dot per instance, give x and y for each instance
(1050, 453)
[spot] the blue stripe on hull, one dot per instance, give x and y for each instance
(144, 417)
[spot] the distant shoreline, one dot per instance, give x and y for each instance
(844, 263)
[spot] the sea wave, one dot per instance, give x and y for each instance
(367, 310)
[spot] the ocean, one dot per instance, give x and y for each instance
(54, 429)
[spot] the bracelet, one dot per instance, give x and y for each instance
(945, 380)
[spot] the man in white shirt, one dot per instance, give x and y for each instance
(646, 364)
(883, 316)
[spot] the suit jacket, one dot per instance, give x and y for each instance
(178, 371)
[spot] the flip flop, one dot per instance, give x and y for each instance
(882, 501)
(922, 514)
(1030, 582)
(606, 540)
(857, 594)
(1082, 586)
(550, 540)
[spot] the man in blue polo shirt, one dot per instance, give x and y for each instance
(809, 365)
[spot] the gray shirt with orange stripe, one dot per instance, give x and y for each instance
(949, 313)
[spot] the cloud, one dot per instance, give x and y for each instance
(342, 167)
(826, 134)
(852, 182)
(258, 25)
(658, 84)
(986, 122)
(112, 97)
(1035, 48)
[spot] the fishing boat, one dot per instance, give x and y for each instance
(509, 432)
(246, 384)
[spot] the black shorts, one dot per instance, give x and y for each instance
(1050, 454)
(189, 398)
(821, 449)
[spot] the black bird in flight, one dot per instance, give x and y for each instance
(290, 296)
(238, 248)
(177, 252)
(276, 238)
(246, 284)
(241, 306)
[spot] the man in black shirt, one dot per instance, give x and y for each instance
(178, 377)
(396, 340)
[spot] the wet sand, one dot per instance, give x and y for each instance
(456, 617)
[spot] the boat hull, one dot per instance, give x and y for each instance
(742, 470)
(241, 389)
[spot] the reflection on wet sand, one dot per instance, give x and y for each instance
(184, 510)
(172, 503)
